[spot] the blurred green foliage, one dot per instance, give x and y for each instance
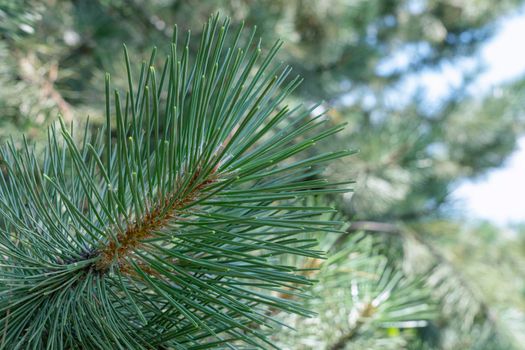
(359, 57)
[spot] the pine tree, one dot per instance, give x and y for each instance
(354, 55)
(165, 228)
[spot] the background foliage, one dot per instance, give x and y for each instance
(361, 58)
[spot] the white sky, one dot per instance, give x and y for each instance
(500, 197)
(505, 53)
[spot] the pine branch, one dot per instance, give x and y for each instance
(481, 308)
(164, 229)
(359, 296)
(144, 227)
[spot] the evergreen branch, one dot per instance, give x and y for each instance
(359, 295)
(164, 228)
(481, 309)
(145, 227)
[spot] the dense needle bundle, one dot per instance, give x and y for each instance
(164, 229)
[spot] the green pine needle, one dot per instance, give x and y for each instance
(164, 229)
